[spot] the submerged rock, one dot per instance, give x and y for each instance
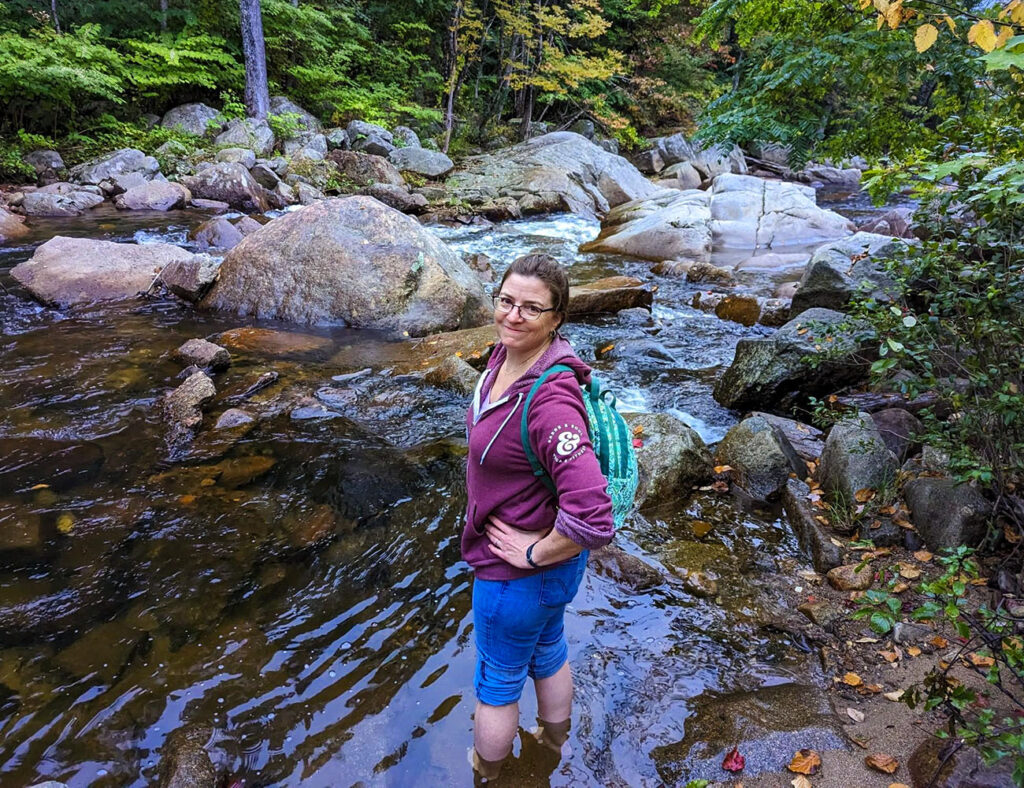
(66, 271)
(184, 761)
(350, 260)
(25, 462)
(555, 172)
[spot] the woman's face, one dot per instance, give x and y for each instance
(517, 333)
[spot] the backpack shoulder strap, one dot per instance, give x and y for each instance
(524, 429)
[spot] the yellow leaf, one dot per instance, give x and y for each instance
(881, 5)
(909, 571)
(926, 36)
(805, 762)
(852, 679)
(894, 15)
(1017, 15)
(980, 661)
(65, 523)
(923, 555)
(723, 468)
(864, 495)
(949, 21)
(882, 762)
(865, 4)
(39, 487)
(913, 651)
(1004, 36)
(983, 34)
(881, 21)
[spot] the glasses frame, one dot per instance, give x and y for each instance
(495, 299)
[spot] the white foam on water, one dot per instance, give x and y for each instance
(707, 432)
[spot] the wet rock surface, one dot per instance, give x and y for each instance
(760, 456)
(856, 458)
(672, 459)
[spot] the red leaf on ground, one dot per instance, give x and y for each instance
(637, 443)
(734, 762)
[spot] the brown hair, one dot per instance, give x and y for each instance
(547, 269)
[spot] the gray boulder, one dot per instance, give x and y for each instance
(306, 146)
(248, 133)
(66, 271)
(556, 172)
(48, 164)
(242, 156)
(193, 118)
(738, 212)
(856, 458)
(119, 184)
(608, 144)
(364, 169)
(807, 441)
(767, 370)
(264, 175)
(336, 138)
(760, 456)
(895, 223)
(899, 429)
(842, 268)
(12, 226)
(672, 459)
(833, 177)
(183, 410)
(682, 176)
(359, 129)
(308, 194)
(190, 278)
(675, 149)
(396, 197)
(68, 203)
(432, 164)
(405, 137)
(154, 196)
(352, 260)
(121, 162)
(280, 105)
(374, 144)
(231, 183)
(947, 514)
(814, 540)
(216, 233)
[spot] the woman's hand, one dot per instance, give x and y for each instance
(509, 543)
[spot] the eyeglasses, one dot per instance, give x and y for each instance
(504, 304)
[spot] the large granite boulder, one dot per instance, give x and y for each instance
(767, 370)
(48, 164)
(855, 458)
(365, 169)
(195, 118)
(66, 271)
(430, 163)
(837, 178)
(947, 514)
(51, 201)
(760, 456)
(126, 161)
(216, 233)
(398, 197)
(842, 268)
(708, 162)
(249, 133)
(672, 458)
(228, 182)
(738, 212)
(353, 261)
(555, 172)
(308, 145)
(280, 105)
(609, 295)
(12, 226)
(154, 196)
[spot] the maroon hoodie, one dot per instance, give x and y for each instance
(499, 480)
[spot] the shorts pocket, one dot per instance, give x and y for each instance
(560, 583)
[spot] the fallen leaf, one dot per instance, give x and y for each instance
(734, 762)
(637, 443)
(836, 542)
(909, 571)
(801, 782)
(882, 762)
(855, 715)
(820, 519)
(913, 651)
(899, 588)
(802, 331)
(853, 680)
(723, 468)
(887, 510)
(889, 656)
(872, 689)
(939, 642)
(923, 555)
(638, 429)
(902, 522)
(39, 487)
(701, 528)
(606, 348)
(1011, 534)
(860, 741)
(866, 640)
(980, 660)
(721, 487)
(895, 696)
(805, 762)
(898, 785)
(186, 500)
(65, 522)
(864, 495)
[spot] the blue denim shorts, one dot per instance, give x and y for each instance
(518, 625)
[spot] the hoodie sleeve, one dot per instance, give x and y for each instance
(558, 435)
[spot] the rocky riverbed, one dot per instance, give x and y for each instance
(241, 558)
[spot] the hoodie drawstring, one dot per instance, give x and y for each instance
(519, 399)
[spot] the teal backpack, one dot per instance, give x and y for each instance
(610, 437)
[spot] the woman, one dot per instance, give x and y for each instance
(528, 548)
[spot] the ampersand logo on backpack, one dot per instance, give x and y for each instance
(567, 440)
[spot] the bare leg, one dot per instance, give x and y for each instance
(494, 728)
(554, 707)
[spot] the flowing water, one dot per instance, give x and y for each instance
(152, 596)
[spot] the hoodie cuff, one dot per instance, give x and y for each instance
(582, 534)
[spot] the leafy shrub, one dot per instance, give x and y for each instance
(287, 125)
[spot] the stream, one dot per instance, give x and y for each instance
(155, 596)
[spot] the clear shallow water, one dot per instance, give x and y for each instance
(165, 596)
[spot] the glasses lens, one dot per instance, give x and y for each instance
(503, 303)
(530, 312)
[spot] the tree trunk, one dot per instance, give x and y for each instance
(524, 126)
(451, 58)
(257, 92)
(163, 16)
(53, 11)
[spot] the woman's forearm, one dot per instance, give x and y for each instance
(554, 548)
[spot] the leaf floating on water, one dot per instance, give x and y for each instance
(855, 714)
(606, 348)
(39, 487)
(66, 523)
(805, 762)
(734, 762)
(882, 762)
